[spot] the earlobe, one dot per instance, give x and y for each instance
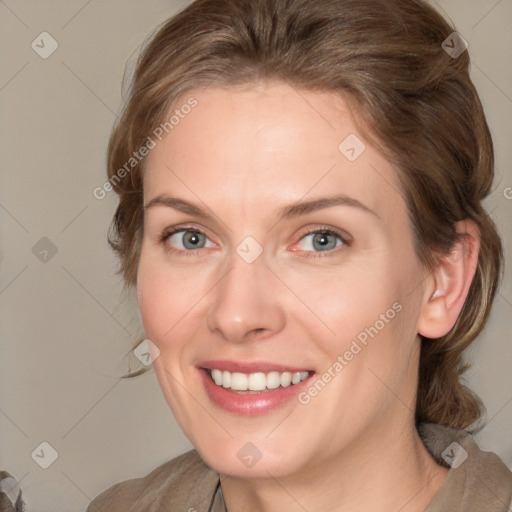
(449, 283)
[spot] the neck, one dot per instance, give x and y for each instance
(389, 470)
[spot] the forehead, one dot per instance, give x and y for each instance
(267, 144)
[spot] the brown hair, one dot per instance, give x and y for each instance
(387, 59)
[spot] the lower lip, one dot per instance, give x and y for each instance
(250, 403)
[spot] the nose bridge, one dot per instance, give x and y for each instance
(243, 303)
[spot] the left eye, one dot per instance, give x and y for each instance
(188, 240)
(320, 241)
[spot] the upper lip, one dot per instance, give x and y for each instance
(250, 366)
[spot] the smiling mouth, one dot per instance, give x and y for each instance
(255, 382)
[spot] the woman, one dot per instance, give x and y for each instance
(300, 187)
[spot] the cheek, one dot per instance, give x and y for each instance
(161, 298)
(170, 298)
(343, 301)
(372, 323)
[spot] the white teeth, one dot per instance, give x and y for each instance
(226, 379)
(217, 377)
(286, 379)
(239, 381)
(273, 380)
(257, 381)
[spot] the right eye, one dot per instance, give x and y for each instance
(183, 240)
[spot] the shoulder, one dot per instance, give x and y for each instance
(477, 480)
(10, 494)
(183, 483)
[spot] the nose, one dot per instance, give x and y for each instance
(246, 303)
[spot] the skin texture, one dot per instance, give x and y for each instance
(242, 155)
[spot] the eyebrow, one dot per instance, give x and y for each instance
(293, 210)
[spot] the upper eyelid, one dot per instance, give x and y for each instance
(176, 229)
(190, 227)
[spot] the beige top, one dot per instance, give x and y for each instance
(477, 481)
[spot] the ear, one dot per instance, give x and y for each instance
(448, 284)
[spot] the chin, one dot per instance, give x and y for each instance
(244, 459)
(234, 468)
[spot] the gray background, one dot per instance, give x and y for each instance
(65, 329)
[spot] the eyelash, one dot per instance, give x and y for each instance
(346, 242)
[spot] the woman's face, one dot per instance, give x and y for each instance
(277, 247)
